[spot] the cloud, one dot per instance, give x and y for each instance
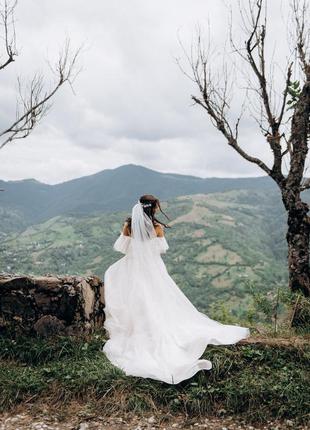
(132, 103)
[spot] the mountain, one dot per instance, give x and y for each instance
(107, 191)
(220, 244)
(227, 233)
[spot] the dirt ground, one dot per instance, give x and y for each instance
(77, 418)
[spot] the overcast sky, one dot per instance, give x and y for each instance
(132, 103)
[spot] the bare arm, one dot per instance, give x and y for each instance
(126, 231)
(159, 230)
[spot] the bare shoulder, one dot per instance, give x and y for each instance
(126, 230)
(160, 230)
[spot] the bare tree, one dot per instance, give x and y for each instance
(284, 125)
(33, 101)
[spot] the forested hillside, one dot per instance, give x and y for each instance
(220, 244)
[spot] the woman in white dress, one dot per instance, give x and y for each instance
(154, 330)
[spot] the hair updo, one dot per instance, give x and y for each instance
(149, 204)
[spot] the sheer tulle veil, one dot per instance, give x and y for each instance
(142, 233)
(142, 228)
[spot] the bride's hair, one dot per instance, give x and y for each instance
(149, 204)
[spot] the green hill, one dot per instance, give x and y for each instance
(107, 191)
(218, 243)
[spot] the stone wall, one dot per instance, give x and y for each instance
(47, 305)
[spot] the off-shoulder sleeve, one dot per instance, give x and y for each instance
(162, 244)
(122, 243)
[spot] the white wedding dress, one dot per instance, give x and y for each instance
(154, 330)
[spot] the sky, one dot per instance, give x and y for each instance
(130, 103)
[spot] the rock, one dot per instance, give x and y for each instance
(49, 325)
(50, 305)
(41, 426)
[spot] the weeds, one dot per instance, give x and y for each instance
(257, 381)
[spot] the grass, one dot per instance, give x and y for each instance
(256, 381)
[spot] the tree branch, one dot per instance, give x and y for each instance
(7, 20)
(259, 70)
(35, 103)
(300, 10)
(223, 126)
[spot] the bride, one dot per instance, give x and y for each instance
(154, 330)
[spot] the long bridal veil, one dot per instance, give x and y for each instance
(154, 330)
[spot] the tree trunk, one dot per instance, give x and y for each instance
(298, 249)
(298, 218)
(298, 256)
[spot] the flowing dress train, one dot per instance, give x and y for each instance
(154, 329)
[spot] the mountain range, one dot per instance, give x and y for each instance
(107, 191)
(227, 233)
